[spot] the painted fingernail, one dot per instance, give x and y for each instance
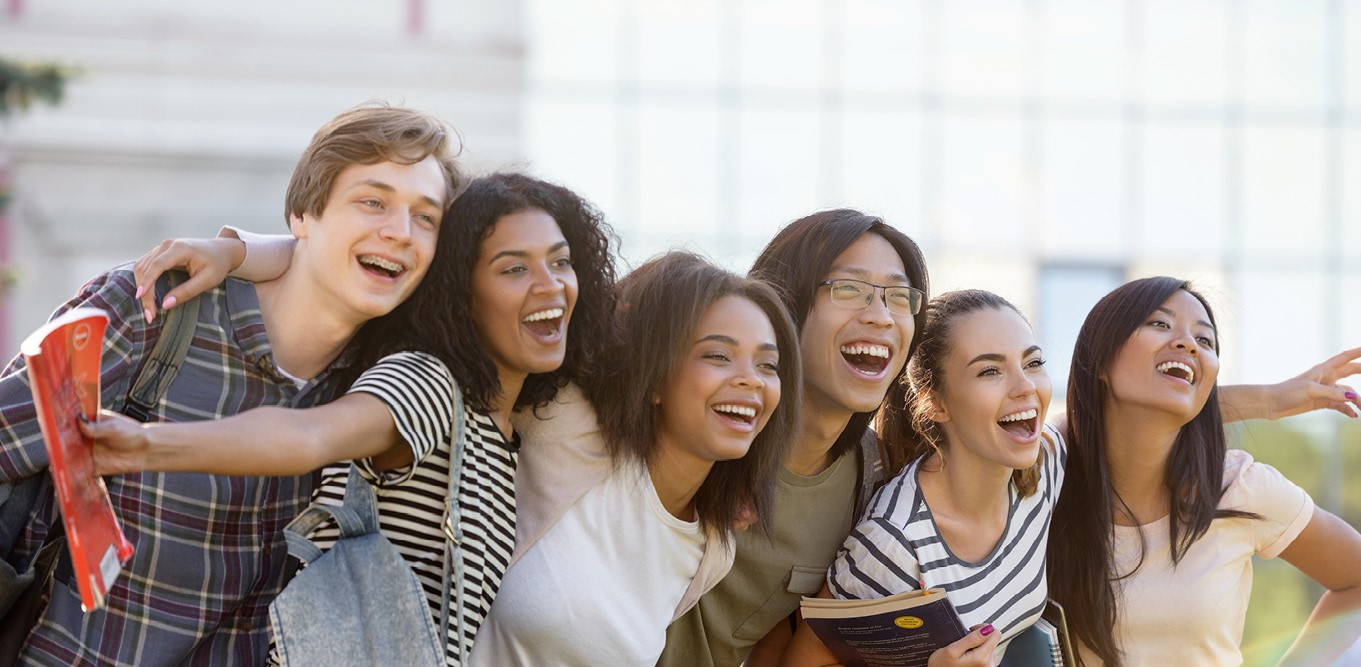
(986, 630)
(169, 302)
(1351, 395)
(146, 312)
(140, 291)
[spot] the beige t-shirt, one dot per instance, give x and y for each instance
(1193, 614)
(811, 518)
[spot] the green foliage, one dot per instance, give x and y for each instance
(1282, 597)
(23, 83)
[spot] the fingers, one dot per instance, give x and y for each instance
(1346, 370)
(1340, 398)
(1344, 408)
(207, 262)
(147, 270)
(106, 425)
(975, 639)
(197, 284)
(1342, 358)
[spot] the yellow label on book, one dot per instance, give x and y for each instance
(909, 622)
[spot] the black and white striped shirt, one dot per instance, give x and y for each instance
(897, 547)
(417, 388)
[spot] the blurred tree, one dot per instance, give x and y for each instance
(22, 84)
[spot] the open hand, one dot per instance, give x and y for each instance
(1318, 388)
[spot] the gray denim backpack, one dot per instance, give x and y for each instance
(359, 603)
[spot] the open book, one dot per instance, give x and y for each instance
(897, 631)
(63, 370)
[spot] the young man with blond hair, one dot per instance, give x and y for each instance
(365, 204)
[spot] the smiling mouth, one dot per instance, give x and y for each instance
(737, 414)
(380, 266)
(868, 359)
(1178, 370)
(544, 323)
(1023, 423)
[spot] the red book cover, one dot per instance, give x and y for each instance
(63, 370)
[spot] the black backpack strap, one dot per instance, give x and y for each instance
(163, 363)
(873, 471)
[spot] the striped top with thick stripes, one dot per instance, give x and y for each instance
(897, 548)
(417, 389)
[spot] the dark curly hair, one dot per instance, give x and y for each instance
(436, 319)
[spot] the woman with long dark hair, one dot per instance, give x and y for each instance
(626, 511)
(1158, 522)
(517, 260)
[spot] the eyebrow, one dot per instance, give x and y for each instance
(385, 187)
(525, 253)
(729, 340)
(864, 273)
(988, 356)
(1202, 323)
(999, 358)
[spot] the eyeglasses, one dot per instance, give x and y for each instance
(899, 299)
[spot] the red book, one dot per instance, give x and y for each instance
(63, 370)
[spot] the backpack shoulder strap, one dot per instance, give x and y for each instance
(872, 473)
(167, 355)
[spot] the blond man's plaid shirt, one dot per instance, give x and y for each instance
(210, 556)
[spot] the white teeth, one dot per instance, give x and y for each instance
(1169, 365)
(871, 350)
(550, 314)
(741, 410)
(1024, 414)
(385, 264)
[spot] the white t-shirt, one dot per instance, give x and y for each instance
(1193, 614)
(600, 587)
(897, 548)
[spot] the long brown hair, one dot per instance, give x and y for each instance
(660, 305)
(802, 253)
(905, 425)
(1081, 571)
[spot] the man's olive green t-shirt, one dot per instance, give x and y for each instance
(812, 517)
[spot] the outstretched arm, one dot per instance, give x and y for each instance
(238, 253)
(1327, 550)
(1315, 389)
(264, 441)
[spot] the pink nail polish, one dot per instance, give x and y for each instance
(140, 291)
(1351, 395)
(169, 302)
(146, 312)
(987, 630)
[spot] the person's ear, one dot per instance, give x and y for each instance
(935, 407)
(298, 225)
